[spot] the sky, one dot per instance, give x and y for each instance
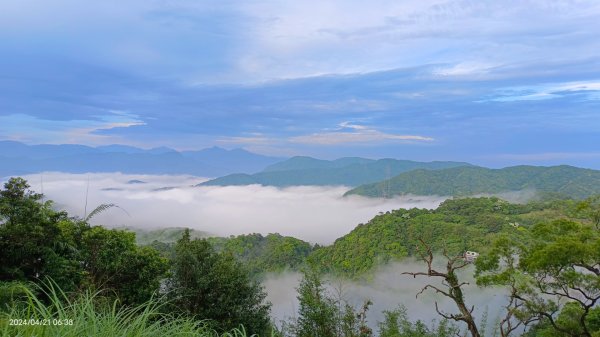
(494, 83)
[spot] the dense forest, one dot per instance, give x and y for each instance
(61, 276)
(564, 180)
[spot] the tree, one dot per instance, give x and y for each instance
(453, 287)
(208, 285)
(31, 241)
(114, 263)
(397, 324)
(552, 272)
(317, 313)
(590, 209)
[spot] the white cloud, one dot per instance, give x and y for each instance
(590, 89)
(258, 40)
(30, 129)
(464, 69)
(251, 140)
(316, 214)
(350, 133)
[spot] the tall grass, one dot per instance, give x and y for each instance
(90, 315)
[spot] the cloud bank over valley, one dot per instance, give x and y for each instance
(311, 213)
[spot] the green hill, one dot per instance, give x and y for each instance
(457, 225)
(343, 171)
(261, 254)
(564, 180)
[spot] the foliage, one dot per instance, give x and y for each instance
(86, 316)
(209, 285)
(317, 311)
(114, 263)
(260, 254)
(563, 180)
(456, 225)
(32, 245)
(553, 267)
(397, 324)
(322, 315)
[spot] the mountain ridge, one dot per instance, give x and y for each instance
(19, 159)
(564, 180)
(348, 171)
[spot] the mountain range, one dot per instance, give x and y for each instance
(18, 159)
(349, 171)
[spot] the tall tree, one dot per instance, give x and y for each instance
(452, 287)
(208, 285)
(318, 312)
(31, 245)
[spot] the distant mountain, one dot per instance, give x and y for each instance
(343, 171)
(18, 159)
(565, 180)
(307, 163)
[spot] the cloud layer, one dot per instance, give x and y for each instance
(315, 214)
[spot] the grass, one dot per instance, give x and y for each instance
(91, 315)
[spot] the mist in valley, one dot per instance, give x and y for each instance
(311, 213)
(387, 289)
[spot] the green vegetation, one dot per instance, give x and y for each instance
(552, 272)
(397, 324)
(90, 315)
(145, 237)
(38, 244)
(208, 284)
(456, 225)
(343, 171)
(261, 254)
(566, 181)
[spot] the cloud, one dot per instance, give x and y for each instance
(30, 129)
(358, 134)
(315, 214)
(387, 289)
(465, 68)
(588, 90)
(253, 140)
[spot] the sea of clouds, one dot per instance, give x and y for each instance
(318, 214)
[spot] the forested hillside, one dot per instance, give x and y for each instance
(566, 181)
(343, 171)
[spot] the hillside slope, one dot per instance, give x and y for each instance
(564, 180)
(343, 171)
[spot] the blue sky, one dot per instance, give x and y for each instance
(490, 82)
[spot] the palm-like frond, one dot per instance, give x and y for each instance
(101, 208)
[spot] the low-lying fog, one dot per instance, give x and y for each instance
(388, 289)
(312, 213)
